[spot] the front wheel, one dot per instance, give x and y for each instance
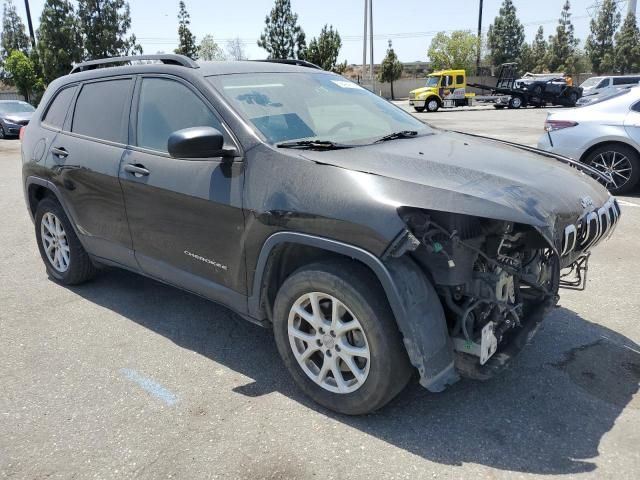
(419, 109)
(2, 133)
(338, 338)
(433, 104)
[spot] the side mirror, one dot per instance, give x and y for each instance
(198, 142)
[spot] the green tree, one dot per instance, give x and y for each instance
(562, 45)
(627, 53)
(282, 37)
(209, 50)
(324, 50)
(600, 46)
(59, 39)
(186, 40)
(104, 25)
(13, 35)
(390, 69)
(506, 35)
(235, 49)
(539, 49)
(527, 60)
(22, 74)
(457, 50)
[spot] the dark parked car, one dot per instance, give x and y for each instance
(372, 244)
(14, 114)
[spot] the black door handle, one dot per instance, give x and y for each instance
(136, 169)
(60, 152)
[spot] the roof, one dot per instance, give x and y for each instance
(456, 71)
(226, 68)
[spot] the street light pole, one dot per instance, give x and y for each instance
(364, 40)
(371, 44)
(31, 35)
(479, 38)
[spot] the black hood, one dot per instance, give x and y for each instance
(476, 176)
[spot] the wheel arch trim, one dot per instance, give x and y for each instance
(33, 180)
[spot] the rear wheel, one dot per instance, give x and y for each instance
(537, 90)
(516, 102)
(572, 99)
(338, 337)
(620, 163)
(62, 253)
(2, 132)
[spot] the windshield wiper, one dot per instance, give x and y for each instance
(396, 135)
(311, 144)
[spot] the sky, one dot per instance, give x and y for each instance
(410, 24)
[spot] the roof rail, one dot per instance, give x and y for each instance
(168, 59)
(290, 61)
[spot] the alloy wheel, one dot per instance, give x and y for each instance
(54, 240)
(328, 342)
(615, 166)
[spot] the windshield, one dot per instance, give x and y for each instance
(298, 106)
(15, 107)
(432, 81)
(590, 82)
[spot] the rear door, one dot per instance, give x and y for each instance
(632, 124)
(85, 158)
(185, 216)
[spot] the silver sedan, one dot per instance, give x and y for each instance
(604, 134)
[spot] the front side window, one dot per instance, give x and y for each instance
(102, 110)
(460, 79)
(15, 107)
(166, 106)
(299, 106)
(57, 111)
(604, 83)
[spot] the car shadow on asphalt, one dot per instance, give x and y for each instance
(544, 415)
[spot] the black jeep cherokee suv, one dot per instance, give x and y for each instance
(370, 242)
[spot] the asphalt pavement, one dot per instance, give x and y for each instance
(124, 377)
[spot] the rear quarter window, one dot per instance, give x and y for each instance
(626, 80)
(102, 110)
(57, 110)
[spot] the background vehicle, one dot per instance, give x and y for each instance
(604, 134)
(14, 114)
(369, 242)
(600, 87)
(536, 90)
(444, 89)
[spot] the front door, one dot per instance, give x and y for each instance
(185, 216)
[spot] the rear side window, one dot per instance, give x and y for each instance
(102, 110)
(167, 106)
(459, 79)
(57, 111)
(625, 80)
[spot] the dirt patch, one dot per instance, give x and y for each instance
(605, 370)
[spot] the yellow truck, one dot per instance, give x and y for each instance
(444, 89)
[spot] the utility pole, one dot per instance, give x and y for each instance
(364, 39)
(373, 81)
(31, 35)
(479, 38)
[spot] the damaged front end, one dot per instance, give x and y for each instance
(495, 280)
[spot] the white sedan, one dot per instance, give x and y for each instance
(604, 134)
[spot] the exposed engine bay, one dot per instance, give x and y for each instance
(489, 274)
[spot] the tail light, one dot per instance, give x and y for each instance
(551, 125)
(21, 133)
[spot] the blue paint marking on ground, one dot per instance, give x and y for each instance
(154, 388)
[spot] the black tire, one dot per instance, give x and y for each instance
(432, 104)
(419, 109)
(3, 135)
(498, 107)
(80, 268)
(593, 158)
(537, 90)
(354, 286)
(516, 102)
(572, 99)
